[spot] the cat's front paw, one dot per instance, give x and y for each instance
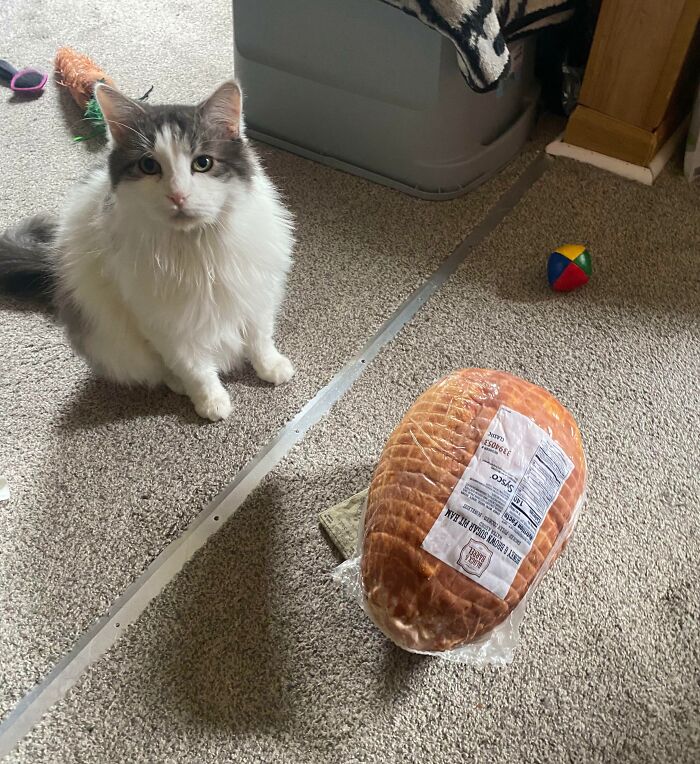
(278, 371)
(215, 406)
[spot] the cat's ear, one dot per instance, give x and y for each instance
(223, 109)
(120, 113)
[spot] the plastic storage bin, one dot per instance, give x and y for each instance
(367, 89)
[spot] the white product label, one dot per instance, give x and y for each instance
(492, 517)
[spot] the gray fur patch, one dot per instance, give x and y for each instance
(27, 261)
(232, 157)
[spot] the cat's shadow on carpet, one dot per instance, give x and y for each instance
(98, 402)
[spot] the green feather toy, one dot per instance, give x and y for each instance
(93, 114)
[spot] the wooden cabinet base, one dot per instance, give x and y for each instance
(596, 131)
(640, 173)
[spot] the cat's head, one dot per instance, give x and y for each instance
(176, 166)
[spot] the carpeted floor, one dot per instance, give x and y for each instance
(103, 478)
(252, 655)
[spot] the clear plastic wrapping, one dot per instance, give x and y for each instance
(476, 494)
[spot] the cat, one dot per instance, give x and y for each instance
(168, 265)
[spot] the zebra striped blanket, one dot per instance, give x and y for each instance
(480, 28)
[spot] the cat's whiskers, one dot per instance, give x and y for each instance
(146, 143)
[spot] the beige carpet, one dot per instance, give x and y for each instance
(103, 478)
(251, 654)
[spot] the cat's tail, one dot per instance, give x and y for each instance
(27, 257)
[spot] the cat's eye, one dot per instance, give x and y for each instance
(149, 166)
(202, 163)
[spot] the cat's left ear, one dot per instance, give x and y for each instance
(223, 108)
(120, 113)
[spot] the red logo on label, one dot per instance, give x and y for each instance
(474, 557)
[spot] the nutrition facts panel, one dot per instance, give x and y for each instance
(539, 486)
(492, 517)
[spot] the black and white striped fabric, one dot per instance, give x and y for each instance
(480, 29)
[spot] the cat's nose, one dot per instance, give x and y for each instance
(178, 198)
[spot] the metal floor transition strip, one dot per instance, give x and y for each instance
(97, 640)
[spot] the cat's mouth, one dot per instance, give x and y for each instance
(185, 219)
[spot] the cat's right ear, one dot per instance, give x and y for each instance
(120, 113)
(223, 109)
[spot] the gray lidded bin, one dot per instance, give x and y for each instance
(365, 88)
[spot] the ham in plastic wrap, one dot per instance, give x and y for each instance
(475, 494)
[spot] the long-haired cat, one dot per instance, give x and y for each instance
(168, 265)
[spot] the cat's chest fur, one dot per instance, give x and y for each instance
(198, 283)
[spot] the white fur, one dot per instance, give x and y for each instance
(171, 299)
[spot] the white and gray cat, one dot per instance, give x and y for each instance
(169, 264)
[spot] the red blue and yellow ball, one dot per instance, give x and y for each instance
(569, 267)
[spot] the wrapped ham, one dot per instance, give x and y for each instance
(473, 498)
